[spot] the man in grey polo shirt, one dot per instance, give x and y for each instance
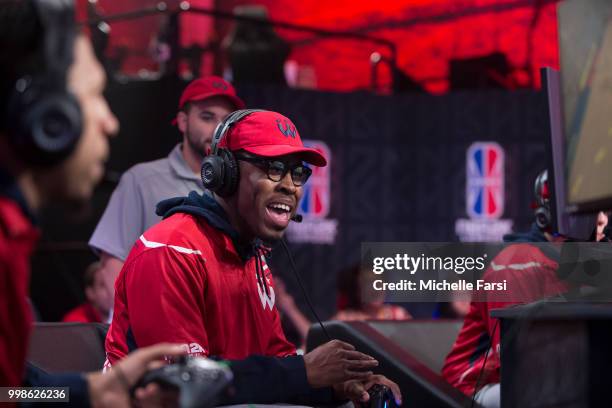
(131, 210)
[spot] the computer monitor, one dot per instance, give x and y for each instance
(551, 84)
(577, 226)
(585, 42)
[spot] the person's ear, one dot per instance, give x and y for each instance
(181, 121)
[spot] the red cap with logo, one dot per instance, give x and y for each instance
(208, 87)
(269, 134)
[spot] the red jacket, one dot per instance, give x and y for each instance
(17, 240)
(185, 282)
(84, 313)
(18, 236)
(527, 269)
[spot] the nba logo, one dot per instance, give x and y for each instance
(316, 198)
(485, 180)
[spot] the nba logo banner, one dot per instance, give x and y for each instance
(316, 228)
(485, 180)
(316, 193)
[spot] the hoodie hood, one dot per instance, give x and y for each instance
(205, 206)
(550, 249)
(534, 235)
(10, 189)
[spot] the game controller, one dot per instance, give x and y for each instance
(201, 382)
(380, 397)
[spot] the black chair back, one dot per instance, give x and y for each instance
(67, 347)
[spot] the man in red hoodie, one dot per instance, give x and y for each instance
(200, 276)
(473, 364)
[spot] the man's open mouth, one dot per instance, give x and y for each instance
(279, 213)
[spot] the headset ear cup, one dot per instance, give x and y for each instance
(56, 126)
(45, 127)
(542, 217)
(212, 173)
(231, 173)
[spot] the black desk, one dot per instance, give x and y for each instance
(556, 354)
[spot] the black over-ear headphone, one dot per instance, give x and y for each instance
(220, 172)
(44, 120)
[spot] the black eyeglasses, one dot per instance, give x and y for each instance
(277, 169)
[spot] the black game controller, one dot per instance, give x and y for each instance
(200, 381)
(380, 397)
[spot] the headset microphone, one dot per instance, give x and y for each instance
(296, 218)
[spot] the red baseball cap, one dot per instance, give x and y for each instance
(269, 134)
(207, 87)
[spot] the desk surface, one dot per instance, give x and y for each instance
(344, 405)
(265, 406)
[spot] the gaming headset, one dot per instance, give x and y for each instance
(220, 171)
(542, 212)
(44, 120)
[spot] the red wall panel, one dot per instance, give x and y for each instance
(136, 35)
(428, 33)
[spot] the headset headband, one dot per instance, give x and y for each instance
(44, 119)
(57, 19)
(223, 127)
(540, 184)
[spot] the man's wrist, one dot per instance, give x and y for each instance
(310, 376)
(338, 392)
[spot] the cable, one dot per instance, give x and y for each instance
(297, 277)
(484, 364)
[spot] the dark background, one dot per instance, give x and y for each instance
(398, 173)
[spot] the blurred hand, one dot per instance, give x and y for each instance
(153, 396)
(336, 362)
(350, 315)
(284, 300)
(112, 389)
(357, 391)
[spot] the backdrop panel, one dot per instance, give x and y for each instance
(398, 173)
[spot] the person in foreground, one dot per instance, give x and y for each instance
(54, 130)
(200, 276)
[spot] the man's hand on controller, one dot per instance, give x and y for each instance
(112, 389)
(336, 362)
(357, 391)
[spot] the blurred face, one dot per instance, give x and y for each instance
(199, 122)
(75, 178)
(368, 294)
(602, 222)
(98, 295)
(265, 206)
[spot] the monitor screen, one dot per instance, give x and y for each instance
(576, 226)
(585, 41)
